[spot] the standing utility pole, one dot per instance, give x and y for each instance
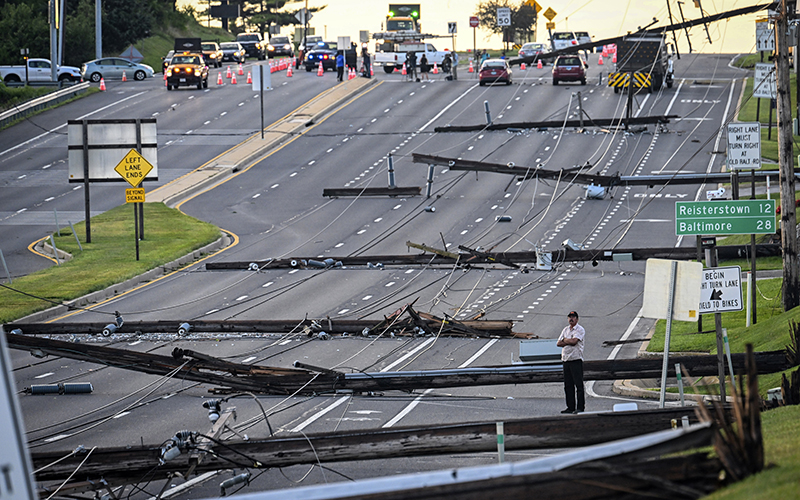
(788, 225)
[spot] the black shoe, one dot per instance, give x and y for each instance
(578, 411)
(568, 410)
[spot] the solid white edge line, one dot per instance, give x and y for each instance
(408, 354)
(477, 354)
(590, 385)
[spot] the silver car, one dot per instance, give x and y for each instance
(233, 51)
(112, 68)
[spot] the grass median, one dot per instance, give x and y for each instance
(109, 259)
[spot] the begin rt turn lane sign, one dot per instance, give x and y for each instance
(721, 290)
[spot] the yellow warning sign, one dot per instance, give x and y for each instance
(549, 14)
(133, 168)
(135, 195)
(551, 26)
(535, 5)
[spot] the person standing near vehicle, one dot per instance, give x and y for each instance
(339, 66)
(571, 342)
(424, 68)
(365, 59)
(411, 65)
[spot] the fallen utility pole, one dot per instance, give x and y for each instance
(371, 444)
(378, 191)
(197, 367)
(573, 175)
(597, 122)
(439, 258)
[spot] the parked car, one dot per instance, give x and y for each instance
(280, 46)
(111, 68)
(166, 59)
(310, 41)
(38, 70)
(253, 44)
(187, 69)
(582, 37)
(494, 71)
(212, 54)
(535, 50)
(322, 53)
(233, 51)
(569, 68)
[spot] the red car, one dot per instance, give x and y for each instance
(494, 71)
(569, 69)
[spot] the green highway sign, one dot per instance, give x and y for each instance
(725, 217)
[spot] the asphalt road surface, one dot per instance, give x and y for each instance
(275, 208)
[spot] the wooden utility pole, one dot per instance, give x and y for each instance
(791, 283)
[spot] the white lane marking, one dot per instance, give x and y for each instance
(56, 438)
(223, 113)
(408, 354)
(43, 375)
(241, 297)
(477, 354)
(256, 195)
(319, 414)
(613, 355)
(206, 122)
(366, 297)
(248, 359)
(64, 125)
(440, 113)
(212, 311)
(118, 415)
(265, 285)
(405, 411)
(136, 343)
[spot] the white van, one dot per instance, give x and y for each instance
(583, 37)
(563, 40)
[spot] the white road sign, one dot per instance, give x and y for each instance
(721, 290)
(744, 146)
(765, 36)
(764, 81)
(15, 463)
(503, 16)
(451, 28)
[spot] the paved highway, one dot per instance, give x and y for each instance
(276, 209)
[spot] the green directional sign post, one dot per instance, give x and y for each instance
(724, 217)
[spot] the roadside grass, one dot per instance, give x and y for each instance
(12, 96)
(781, 475)
(109, 259)
(89, 91)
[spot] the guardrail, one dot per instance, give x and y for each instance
(42, 102)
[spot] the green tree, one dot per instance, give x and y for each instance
(523, 20)
(79, 45)
(125, 22)
(24, 26)
(259, 15)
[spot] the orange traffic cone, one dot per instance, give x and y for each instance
(249, 78)
(404, 72)
(436, 69)
(371, 73)
(219, 78)
(228, 73)
(605, 51)
(102, 84)
(471, 68)
(124, 78)
(241, 70)
(352, 74)
(614, 58)
(600, 60)
(539, 64)
(233, 80)
(522, 66)
(289, 71)
(320, 69)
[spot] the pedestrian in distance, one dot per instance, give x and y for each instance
(484, 57)
(424, 68)
(411, 65)
(366, 60)
(571, 342)
(339, 66)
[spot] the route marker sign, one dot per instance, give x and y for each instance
(764, 81)
(134, 195)
(133, 168)
(744, 146)
(724, 217)
(721, 290)
(503, 16)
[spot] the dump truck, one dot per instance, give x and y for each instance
(645, 58)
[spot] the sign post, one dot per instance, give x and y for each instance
(504, 21)
(474, 22)
(134, 168)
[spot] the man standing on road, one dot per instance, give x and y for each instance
(571, 342)
(339, 66)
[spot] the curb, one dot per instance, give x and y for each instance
(126, 285)
(241, 155)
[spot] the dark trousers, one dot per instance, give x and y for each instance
(573, 379)
(339, 73)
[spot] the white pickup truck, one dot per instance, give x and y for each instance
(392, 55)
(39, 70)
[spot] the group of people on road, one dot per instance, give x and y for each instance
(348, 59)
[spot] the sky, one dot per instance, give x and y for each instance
(601, 18)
